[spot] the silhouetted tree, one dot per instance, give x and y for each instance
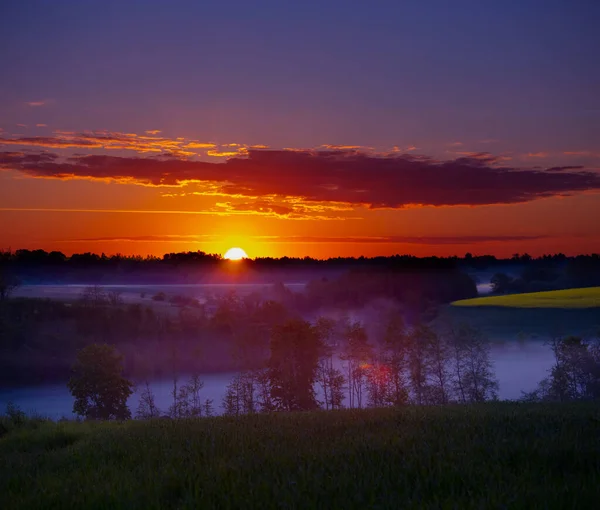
(500, 283)
(575, 374)
(295, 348)
(437, 360)
(472, 373)
(147, 407)
(395, 356)
(358, 354)
(188, 403)
(241, 395)
(97, 383)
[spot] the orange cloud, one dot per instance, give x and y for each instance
(199, 145)
(267, 208)
(345, 147)
(227, 154)
(41, 125)
(537, 155)
(110, 141)
(35, 103)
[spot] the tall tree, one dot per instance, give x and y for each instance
(98, 385)
(437, 360)
(473, 375)
(295, 348)
(395, 357)
(358, 354)
(417, 363)
(147, 407)
(575, 374)
(324, 328)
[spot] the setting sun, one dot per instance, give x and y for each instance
(235, 254)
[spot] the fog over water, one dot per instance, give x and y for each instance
(519, 364)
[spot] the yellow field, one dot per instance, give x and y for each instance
(570, 298)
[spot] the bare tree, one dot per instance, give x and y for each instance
(241, 395)
(437, 360)
(473, 374)
(147, 407)
(395, 357)
(575, 374)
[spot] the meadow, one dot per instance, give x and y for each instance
(570, 298)
(498, 455)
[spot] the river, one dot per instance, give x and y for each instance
(519, 366)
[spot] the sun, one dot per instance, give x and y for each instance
(235, 254)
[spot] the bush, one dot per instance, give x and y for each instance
(15, 414)
(159, 296)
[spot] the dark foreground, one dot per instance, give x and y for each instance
(488, 456)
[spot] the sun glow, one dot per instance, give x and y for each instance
(235, 254)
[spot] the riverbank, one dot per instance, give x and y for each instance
(484, 456)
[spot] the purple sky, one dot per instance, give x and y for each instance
(519, 80)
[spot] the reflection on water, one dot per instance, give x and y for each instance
(519, 366)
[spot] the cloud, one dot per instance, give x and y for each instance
(199, 145)
(346, 147)
(427, 240)
(582, 153)
(41, 125)
(537, 155)
(178, 147)
(454, 144)
(35, 103)
(287, 210)
(397, 149)
(153, 132)
(166, 238)
(345, 177)
(227, 154)
(435, 240)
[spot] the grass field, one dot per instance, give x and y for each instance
(489, 456)
(570, 298)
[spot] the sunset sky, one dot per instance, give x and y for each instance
(300, 128)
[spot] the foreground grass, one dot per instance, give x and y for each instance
(489, 456)
(570, 298)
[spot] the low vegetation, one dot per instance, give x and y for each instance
(571, 298)
(481, 456)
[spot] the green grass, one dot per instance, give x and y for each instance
(489, 456)
(570, 298)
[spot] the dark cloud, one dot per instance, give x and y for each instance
(351, 177)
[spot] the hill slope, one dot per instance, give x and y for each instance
(588, 297)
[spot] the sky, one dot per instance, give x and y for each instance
(307, 128)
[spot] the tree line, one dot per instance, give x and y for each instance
(333, 365)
